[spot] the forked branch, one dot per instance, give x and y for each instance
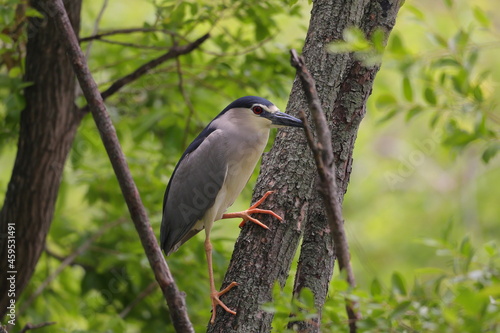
(174, 52)
(323, 155)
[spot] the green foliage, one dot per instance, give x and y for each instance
(11, 63)
(368, 50)
(448, 82)
(288, 309)
(459, 296)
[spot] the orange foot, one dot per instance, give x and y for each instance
(245, 215)
(214, 296)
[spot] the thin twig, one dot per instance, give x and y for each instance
(126, 31)
(133, 45)
(244, 51)
(66, 262)
(96, 26)
(187, 100)
(145, 293)
(54, 255)
(173, 297)
(323, 155)
(29, 326)
(174, 52)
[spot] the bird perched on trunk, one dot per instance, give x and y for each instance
(213, 171)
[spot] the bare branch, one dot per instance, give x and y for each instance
(58, 257)
(323, 155)
(187, 100)
(125, 31)
(133, 45)
(244, 51)
(29, 326)
(174, 52)
(145, 293)
(173, 296)
(96, 26)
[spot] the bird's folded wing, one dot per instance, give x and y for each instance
(192, 189)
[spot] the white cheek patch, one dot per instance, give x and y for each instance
(273, 108)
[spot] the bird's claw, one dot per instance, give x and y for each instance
(254, 210)
(216, 301)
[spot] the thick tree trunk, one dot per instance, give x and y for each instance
(344, 113)
(262, 257)
(48, 126)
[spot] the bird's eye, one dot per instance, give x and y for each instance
(257, 109)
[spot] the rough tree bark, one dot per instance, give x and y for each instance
(48, 126)
(262, 257)
(344, 113)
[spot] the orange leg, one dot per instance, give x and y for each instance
(245, 215)
(214, 294)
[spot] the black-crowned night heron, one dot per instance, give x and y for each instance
(213, 171)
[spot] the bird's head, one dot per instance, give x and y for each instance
(257, 112)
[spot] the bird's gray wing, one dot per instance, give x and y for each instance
(193, 187)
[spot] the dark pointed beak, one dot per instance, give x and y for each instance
(283, 119)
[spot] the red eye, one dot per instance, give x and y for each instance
(257, 110)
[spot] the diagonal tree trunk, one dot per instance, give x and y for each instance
(262, 257)
(47, 129)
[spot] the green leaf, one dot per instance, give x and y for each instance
(413, 112)
(430, 271)
(459, 138)
(398, 284)
(472, 59)
(419, 15)
(438, 39)
(376, 287)
(378, 38)
(445, 62)
(340, 285)
(466, 247)
(15, 72)
(470, 301)
(355, 37)
(388, 116)
(491, 249)
(460, 82)
(261, 30)
(6, 39)
(481, 17)
(400, 309)
(32, 12)
(339, 47)
(385, 101)
(396, 45)
(477, 92)
(434, 120)
(460, 41)
(490, 152)
(307, 297)
(430, 96)
(407, 89)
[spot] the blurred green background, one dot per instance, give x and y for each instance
(423, 204)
